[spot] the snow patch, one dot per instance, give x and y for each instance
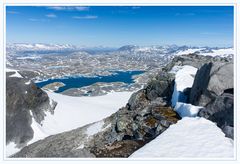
(188, 51)
(80, 147)
(16, 74)
(95, 128)
(184, 78)
(38, 131)
(28, 82)
(28, 57)
(11, 149)
(187, 110)
(189, 138)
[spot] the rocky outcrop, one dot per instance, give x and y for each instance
(146, 115)
(24, 102)
(213, 89)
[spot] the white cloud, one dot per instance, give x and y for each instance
(136, 7)
(185, 14)
(51, 15)
(13, 12)
(85, 17)
(37, 20)
(69, 8)
(209, 33)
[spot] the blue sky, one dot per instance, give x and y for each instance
(115, 26)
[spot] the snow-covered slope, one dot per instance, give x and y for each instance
(74, 112)
(189, 138)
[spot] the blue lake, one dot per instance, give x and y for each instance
(77, 82)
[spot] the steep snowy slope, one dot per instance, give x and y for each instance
(74, 112)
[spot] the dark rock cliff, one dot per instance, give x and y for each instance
(24, 102)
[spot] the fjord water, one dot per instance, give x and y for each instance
(81, 81)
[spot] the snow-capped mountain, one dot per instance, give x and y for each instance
(172, 50)
(134, 50)
(39, 47)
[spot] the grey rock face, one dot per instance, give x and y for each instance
(24, 100)
(132, 126)
(211, 81)
(200, 84)
(213, 89)
(221, 112)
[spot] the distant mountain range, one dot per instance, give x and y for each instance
(127, 49)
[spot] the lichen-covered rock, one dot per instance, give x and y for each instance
(138, 100)
(160, 86)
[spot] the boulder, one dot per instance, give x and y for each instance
(211, 81)
(213, 90)
(221, 112)
(160, 86)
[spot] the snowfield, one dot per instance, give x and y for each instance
(75, 112)
(189, 138)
